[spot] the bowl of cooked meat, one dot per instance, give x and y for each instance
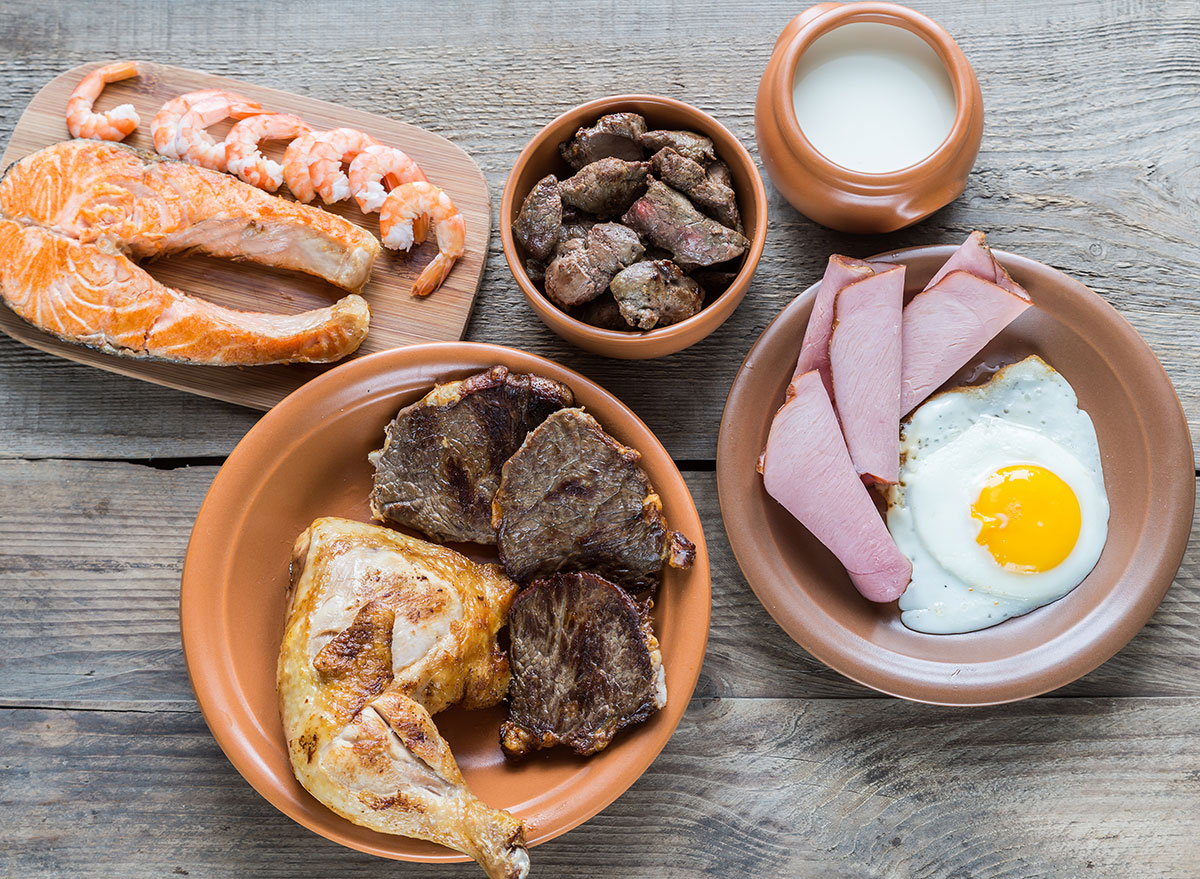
(633, 225)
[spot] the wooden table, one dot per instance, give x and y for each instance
(781, 767)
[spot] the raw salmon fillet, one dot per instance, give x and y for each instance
(148, 205)
(86, 294)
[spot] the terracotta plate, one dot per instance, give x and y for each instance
(306, 458)
(1147, 459)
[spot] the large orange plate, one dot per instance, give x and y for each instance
(1145, 451)
(307, 458)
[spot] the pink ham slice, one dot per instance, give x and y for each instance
(864, 360)
(946, 325)
(974, 256)
(807, 469)
(814, 351)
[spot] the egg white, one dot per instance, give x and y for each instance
(1026, 414)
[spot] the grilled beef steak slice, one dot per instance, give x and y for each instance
(440, 462)
(602, 312)
(581, 272)
(656, 293)
(681, 173)
(616, 135)
(667, 219)
(585, 663)
(696, 147)
(572, 498)
(539, 223)
(605, 188)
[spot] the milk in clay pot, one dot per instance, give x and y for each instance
(868, 117)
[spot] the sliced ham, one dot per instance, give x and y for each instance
(974, 256)
(807, 469)
(814, 351)
(864, 361)
(946, 325)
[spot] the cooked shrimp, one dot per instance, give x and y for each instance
(402, 207)
(296, 159)
(195, 144)
(242, 156)
(172, 140)
(373, 167)
(119, 122)
(331, 149)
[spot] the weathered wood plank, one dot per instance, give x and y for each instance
(1086, 165)
(91, 554)
(852, 787)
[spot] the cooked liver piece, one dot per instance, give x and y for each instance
(713, 198)
(440, 462)
(616, 135)
(605, 188)
(572, 498)
(666, 218)
(696, 147)
(656, 293)
(585, 663)
(539, 224)
(602, 312)
(581, 271)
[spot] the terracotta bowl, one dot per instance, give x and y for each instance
(541, 157)
(307, 458)
(1146, 455)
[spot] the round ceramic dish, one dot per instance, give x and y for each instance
(541, 157)
(1146, 452)
(307, 458)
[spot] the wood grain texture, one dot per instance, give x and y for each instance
(1087, 161)
(90, 600)
(780, 767)
(820, 788)
(397, 318)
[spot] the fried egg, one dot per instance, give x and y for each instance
(1001, 504)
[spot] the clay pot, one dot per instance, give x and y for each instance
(841, 198)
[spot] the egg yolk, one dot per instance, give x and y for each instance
(1030, 518)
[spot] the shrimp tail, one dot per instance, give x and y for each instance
(433, 275)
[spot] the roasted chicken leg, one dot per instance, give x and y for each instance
(383, 631)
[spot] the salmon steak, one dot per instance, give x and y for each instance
(149, 205)
(75, 216)
(84, 294)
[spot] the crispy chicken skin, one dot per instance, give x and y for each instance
(383, 631)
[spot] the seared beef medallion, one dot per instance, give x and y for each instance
(666, 218)
(656, 294)
(573, 498)
(614, 135)
(441, 458)
(539, 222)
(585, 663)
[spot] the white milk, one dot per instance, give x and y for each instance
(873, 97)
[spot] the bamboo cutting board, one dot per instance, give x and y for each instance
(397, 319)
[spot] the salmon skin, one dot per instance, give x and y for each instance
(148, 205)
(84, 293)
